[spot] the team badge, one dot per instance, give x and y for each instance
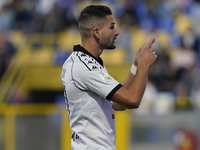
(106, 78)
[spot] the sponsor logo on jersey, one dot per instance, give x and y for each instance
(106, 78)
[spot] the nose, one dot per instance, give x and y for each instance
(116, 32)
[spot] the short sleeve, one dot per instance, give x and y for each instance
(95, 80)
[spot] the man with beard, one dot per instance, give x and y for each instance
(91, 93)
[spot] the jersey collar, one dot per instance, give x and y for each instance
(81, 49)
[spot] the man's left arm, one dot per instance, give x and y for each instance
(127, 81)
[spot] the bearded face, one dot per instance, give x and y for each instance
(108, 42)
(106, 33)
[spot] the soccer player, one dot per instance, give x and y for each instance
(91, 93)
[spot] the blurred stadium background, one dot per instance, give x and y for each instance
(36, 37)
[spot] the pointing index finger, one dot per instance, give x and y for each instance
(150, 42)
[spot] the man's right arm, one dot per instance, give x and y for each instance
(130, 96)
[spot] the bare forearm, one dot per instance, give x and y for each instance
(128, 80)
(131, 96)
(126, 83)
(138, 85)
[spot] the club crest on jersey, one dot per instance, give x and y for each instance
(106, 78)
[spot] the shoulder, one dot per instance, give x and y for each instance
(86, 61)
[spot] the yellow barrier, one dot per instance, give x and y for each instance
(123, 126)
(11, 111)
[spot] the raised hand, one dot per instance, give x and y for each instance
(135, 62)
(146, 55)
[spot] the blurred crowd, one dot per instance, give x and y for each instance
(177, 69)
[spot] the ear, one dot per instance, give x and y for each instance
(96, 32)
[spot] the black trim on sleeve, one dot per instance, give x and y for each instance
(110, 95)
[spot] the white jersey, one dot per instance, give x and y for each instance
(88, 88)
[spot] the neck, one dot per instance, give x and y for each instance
(92, 47)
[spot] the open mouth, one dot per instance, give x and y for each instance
(114, 40)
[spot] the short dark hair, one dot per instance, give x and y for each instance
(91, 16)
